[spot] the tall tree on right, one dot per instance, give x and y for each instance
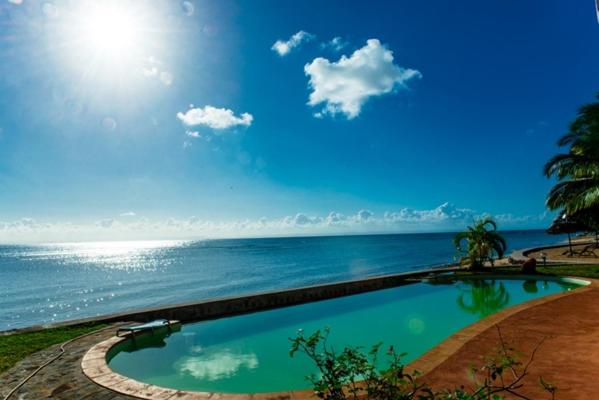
(577, 171)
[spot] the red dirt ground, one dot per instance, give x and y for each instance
(568, 357)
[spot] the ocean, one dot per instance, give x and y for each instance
(42, 284)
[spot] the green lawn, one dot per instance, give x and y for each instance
(586, 271)
(19, 345)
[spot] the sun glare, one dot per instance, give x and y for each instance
(111, 30)
(108, 40)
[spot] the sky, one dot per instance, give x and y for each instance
(192, 119)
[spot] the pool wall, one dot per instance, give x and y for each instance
(95, 362)
(229, 306)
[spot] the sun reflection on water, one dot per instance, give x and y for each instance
(123, 255)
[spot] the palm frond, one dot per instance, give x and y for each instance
(571, 165)
(481, 242)
(574, 196)
(577, 171)
(488, 220)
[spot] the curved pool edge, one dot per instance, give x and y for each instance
(438, 354)
(95, 366)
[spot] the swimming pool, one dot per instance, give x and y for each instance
(250, 353)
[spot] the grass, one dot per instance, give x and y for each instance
(15, 347)
(585, 271)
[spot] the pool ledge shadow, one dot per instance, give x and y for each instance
(95, 367)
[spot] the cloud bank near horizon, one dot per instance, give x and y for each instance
(129, 226)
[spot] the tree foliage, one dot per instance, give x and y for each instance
(577, 171)
(480, 242)
(353, 374)
(482, 297)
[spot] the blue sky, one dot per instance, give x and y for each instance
(238, 118)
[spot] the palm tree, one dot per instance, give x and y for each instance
(577, 171)
(481, 242)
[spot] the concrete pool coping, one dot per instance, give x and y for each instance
(95, 366)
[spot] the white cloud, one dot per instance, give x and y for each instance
(364, 216)
(336, 44)
(446, 217)
(522, 219)
(193, 134)
(301, 219)
(335, 218)
(154, 68)
(446, 212)
(345, 85)
(127, 214)
(215, 118)
(282, 48)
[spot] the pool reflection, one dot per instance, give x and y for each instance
(482, 297)
(213, 366)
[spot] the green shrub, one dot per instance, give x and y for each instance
(353, 374)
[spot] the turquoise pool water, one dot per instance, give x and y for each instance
(250, 353)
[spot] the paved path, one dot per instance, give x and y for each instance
(62, 379)
(568, 357)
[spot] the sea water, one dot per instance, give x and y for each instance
(41, 284)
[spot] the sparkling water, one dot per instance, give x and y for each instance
(47, 283)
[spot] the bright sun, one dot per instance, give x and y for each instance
(110, 29)
(108, 39)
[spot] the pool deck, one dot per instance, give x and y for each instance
(63, 379)
(534, 252)
(568, 358)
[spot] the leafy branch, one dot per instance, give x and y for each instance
(353, 374)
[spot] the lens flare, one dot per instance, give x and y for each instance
(109, 29)
(108, 40)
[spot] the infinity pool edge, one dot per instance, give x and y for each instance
(95, 362)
